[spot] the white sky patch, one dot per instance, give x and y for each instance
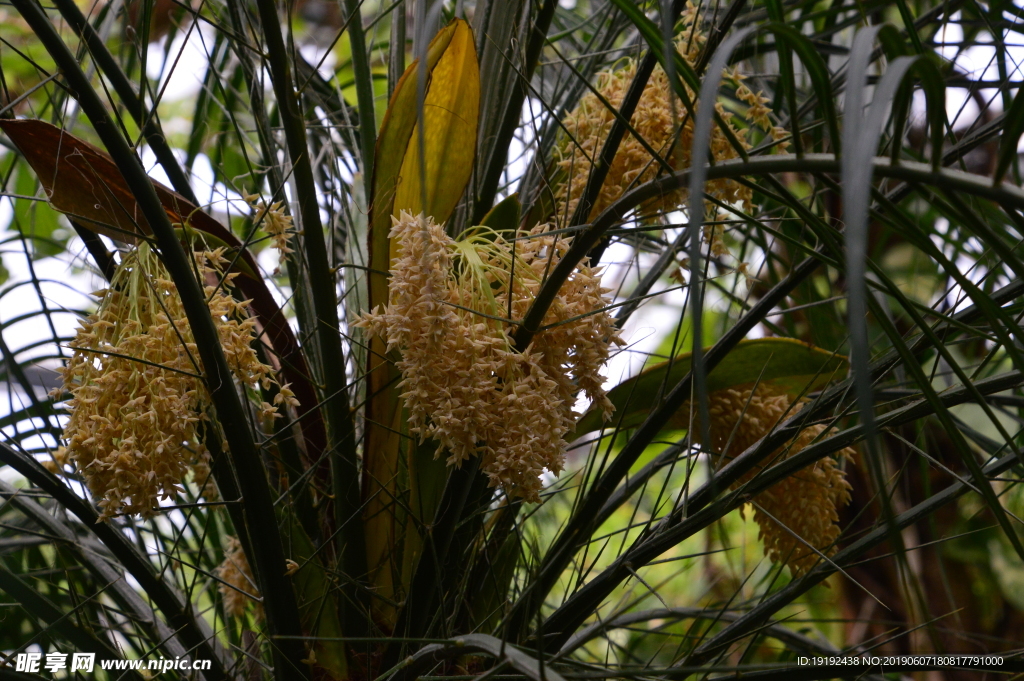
(314, 53)
(64, 286)
(977, 62)
(182, 66)
(961, 109)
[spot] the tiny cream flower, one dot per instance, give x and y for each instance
(588, 126)
(286, 396)
(463, 382)
(806, 503)
(237, 582)
(136, 396)
(275, 222)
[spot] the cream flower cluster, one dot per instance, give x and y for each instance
(137, 398)
(237, 581)
(464, 384)
(587, 128)
(806, 503)
(275, 222)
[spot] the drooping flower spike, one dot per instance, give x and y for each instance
(450, 312)
(659, 120)
(798, 517)
(137, 396)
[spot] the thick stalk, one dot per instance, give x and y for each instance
(510, 121)
(279, 599)
(341, 439)
(364, 90)
(180, 617)
(396, 55)
(147, 121)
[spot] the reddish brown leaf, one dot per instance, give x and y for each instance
(84, 183)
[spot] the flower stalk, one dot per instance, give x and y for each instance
(450, 311)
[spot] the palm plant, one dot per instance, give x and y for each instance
(310, 425)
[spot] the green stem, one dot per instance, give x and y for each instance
(1004, 194)
(279, 599)
(314, 431)
(341, 439)
(510, 121)
(147, 121)
(396, 56)
(180, 617)
(364, 91)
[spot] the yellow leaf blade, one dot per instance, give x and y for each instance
(450, 116)
(451, 110)
(393, 140)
